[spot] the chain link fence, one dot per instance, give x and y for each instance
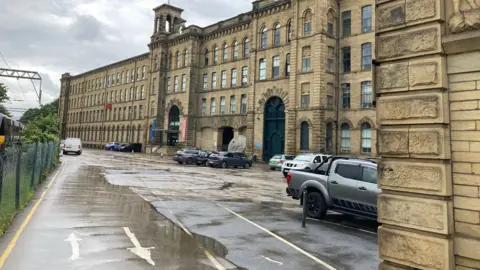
(22, 168)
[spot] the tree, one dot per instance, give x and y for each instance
(5, 111)
(3, 93)
(42, 129)
(48, 109)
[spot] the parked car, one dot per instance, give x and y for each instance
(72, 145)
(188, 156)
(227, 159)
(202, 158)
(343, 184)
(119, 147)
(133, 147)
(111, 145)
(180, 152)
(277, 161)
(308, 162)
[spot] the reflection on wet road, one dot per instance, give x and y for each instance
(125, 211)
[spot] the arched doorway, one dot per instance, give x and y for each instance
(273, 128)
(173, 126)
(227, 136)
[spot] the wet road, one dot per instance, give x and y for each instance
(148, 213)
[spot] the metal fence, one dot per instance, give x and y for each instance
(22, 168)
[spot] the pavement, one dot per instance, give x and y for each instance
(108, 210)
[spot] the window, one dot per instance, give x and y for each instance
(155, 63)
(129, 112)
(306, 59)
(349, 171)
(346, 23)
(168, 84)
(185, 58)
(330, 29)
(366, 138)
(305, 100)
(264, 38)
(245, 48)
(233, 104)
(205, 81)
(329, 138)
(234, 77)
(137, 94)
(215, 55)
(366, 56)
(367, 19)
(276, 35)
(124, 95)
(243, 104)
(212, 106)
(346, 59)
(132, 75)
(307, 23)
(152, 109)
(138, 74)
(214, 80)
(184, 82)
(224, 79)
(345, 138)
(140, 112)
(235, 50)
(175, 84)
(366, 94)
(204, 107)
(222, 105)
(304, 136)
(289, 31)
(205, 57)
(262, 70)
(109, 78)
(177, 57)
(170, 61)
(154, 86)
(276, 67)
(135, 113)
(144, 70)
(287, 65)
(127, 79)
(124, 113)
(330, 65)
(244, 76)
(369, 175)
(225, 53)
(329, 101)
(346, 95)
(142, 92)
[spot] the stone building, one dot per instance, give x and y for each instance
(291, 75)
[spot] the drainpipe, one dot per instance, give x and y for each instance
(337, 77)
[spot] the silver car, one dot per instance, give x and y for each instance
(277, 161)
(305, 162)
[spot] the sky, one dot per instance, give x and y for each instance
(57, 36)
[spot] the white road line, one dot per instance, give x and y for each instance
(270, 260)
(324, 264)
(73, 239)
(341, 225)
(138, 250)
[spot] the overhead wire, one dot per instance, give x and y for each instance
(18, 80)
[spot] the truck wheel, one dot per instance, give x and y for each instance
(316, 206)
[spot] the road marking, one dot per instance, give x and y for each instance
(138, 250)
(270, 260)
(326, 265)
(20, 230)
(72, 238)
(341, 225)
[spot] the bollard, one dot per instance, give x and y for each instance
(305, 209)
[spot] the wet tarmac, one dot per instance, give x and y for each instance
(183, 217)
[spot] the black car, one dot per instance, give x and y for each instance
(228, 159)
(202, 158)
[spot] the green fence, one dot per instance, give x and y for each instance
(22, 168)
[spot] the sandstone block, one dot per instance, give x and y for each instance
(462, 86)
(460, 146)
(464, 77)
(475, 146)
(463, 62)
(467, 229)
(476, 168)
(425, 178)
(466, 203)
(416, 213)
(419, 10)
(464, 268)
(463, 125)
(392, 77)
(393, 142)
(465, 191)
(429, 143)
(459, 167)
(465, 135)
(466, 179)
(466, 156)
(465, 95)
(475, 264)
(424, 74)
(464, 105)
(390, 15)
(467, 247)
(467, 216)
(414, 249)
(466, 115)
(391, 266)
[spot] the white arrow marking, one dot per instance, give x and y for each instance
(138, 250)
(73, 239)
(270, 260)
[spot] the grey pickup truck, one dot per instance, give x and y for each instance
(343, 184)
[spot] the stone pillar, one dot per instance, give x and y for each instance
(415, 206)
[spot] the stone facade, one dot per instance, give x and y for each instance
(196, 68)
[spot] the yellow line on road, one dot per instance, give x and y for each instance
(19, 232)
(326, 265)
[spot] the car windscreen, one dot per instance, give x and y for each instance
(289, 157)
(304, 158)
(277, 157)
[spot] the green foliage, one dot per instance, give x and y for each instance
(42, 129)
(5, 111)
(45, 110)
(3, 93)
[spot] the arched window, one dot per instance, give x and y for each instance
(331, 23)
(264, 37)
(224, 53)
(235, 50)
(329, 138)
(366, 138)
(307, 23)
(345, 138)
(246, 51)
(304, 136)
(289, 31)
(205, 58)
(178, 59)
(185, 59)
(276, 34)
(215, 55)
(173, 126)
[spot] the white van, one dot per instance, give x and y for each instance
(72, 145)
